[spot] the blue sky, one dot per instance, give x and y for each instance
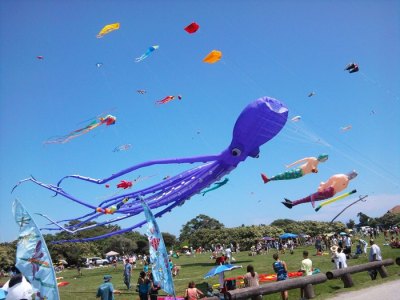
(281, 49)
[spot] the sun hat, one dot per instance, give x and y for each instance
(334, 248)
(107, 277)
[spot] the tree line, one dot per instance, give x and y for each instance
(201, 231)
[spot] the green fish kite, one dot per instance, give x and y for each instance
(217, 185)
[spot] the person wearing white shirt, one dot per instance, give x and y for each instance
(374, 255)
(18, 288)
(341, 259)
(228, 254)
(364, 245)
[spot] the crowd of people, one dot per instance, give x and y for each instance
(340, 246)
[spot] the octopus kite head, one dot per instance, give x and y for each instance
(259, 122)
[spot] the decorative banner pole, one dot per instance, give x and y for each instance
(361, 199)
(33, 257)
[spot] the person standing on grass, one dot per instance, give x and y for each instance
(106, 290)
(143, 286)
(127, 274)
(281, 271)
(374, 255)
(306, 268)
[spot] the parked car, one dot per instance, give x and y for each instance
(95, 261)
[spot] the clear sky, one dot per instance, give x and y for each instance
(282, 49)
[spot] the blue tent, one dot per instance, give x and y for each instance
(288, 236)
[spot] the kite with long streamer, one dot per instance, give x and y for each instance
(147, 53)
(33, 257)
(258, 123)
(107, 120)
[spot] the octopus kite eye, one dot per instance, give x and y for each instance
(236, 152)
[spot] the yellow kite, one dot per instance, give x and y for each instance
(107, 29)
(213, 57)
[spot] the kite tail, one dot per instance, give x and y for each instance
(291, 174)
(335, 199)
(265, 178)
(318, 196)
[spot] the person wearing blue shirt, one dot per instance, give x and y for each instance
(106, 290)
(127, 274)
(281, 270)
(143, 286)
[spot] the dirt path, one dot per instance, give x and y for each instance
(389, 290)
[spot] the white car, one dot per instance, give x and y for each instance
(95, 261)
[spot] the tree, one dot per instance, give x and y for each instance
(364, 219)
(351, 224)
(200, 222)
(389, 219)
(169, 239)
(286, 225)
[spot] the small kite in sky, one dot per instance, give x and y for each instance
(122, 148)
(107, 120)
(147, 53)
(168, 99)
(142, 92)
(216, 186)
(352, 68)
(346, 128)
(107, 29)
(99, 65)
(311, 94)
(213, 57)
(192, 28)
(40, 57)
(124, 184)
(296, 118)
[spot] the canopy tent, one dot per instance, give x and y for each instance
(267, 238)
(112, 253)
(288, 236)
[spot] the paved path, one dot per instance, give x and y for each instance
(385, 291)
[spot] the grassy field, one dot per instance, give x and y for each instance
(194, 268)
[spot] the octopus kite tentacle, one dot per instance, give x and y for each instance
(142, 165)
(258, 123)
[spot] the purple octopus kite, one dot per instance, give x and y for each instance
(259, 122)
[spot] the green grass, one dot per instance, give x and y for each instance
(194, 268)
